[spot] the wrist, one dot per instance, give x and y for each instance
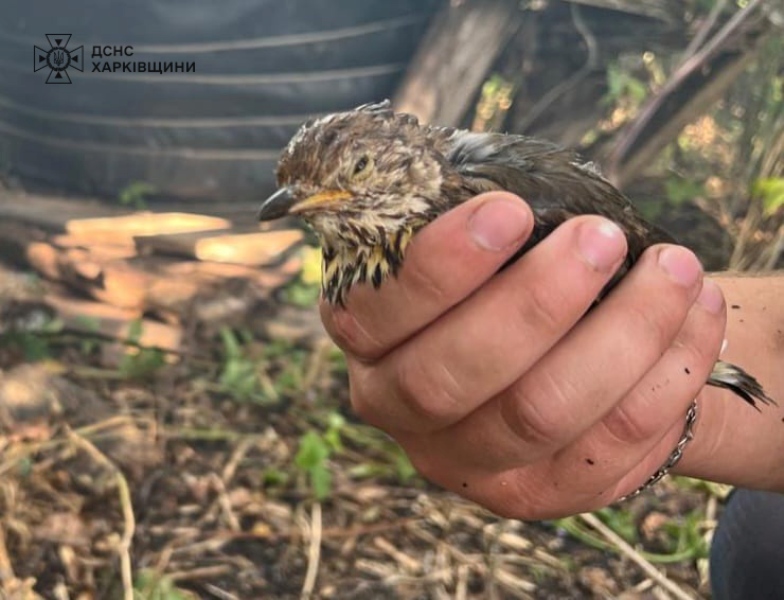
(733, 443)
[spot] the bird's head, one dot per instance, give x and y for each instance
(358, 176)
(365, 180)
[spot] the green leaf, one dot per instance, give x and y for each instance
(152, 586)
(770, 191)
(321, 482)
(135, 194)
(274, 477)
(35, 348)
(142, 364)
(230, 343)
(135, 329)
(313, 451)
(682, 190)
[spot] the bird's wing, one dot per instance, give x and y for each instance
(555, 183)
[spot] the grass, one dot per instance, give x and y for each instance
(256, 434)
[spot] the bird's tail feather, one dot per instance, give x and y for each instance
(732, 377)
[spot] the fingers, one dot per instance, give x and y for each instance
(487, 342)
(627, 436)
(615, 456)
(444, 263)
(575, 385)
(565, 392)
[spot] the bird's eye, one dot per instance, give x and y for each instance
(362, 166)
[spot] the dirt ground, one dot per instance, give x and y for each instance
(240, 472)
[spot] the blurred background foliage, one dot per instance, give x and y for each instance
(715, 174)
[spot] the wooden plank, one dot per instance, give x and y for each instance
(114, 282)
(251, 249)
(454, 58)
(99, 319)
(146, 223)
(102, 246)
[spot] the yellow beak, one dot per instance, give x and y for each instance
(322, 200)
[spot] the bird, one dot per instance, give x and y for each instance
(368, 179)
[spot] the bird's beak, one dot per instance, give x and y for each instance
(283, 202)
(277, 205)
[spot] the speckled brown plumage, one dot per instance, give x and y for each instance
(367, 180)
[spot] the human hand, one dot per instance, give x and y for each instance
(496, 386)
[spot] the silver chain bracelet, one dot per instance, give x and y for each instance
(673, 459)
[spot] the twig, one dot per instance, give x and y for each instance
(776, 251)
(124, 495)
(220, 593)
(559, 90)
(681, 74)
(230, 468)
(6, 568)
(407, 563)
(335, 533)
(199, 573)
(702, 34)
(314, 551)
(635, 556)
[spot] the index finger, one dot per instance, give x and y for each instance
(445, 262)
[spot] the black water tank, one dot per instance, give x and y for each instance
(261, 67)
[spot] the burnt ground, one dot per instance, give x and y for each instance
(240, 472)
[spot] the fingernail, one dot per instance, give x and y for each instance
(681, 265)
(710, 297)
(497, 224)
(602, 244)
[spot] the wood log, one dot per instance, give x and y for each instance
(166, 287)
(145, 223)
(103, 246)
(114, 282)
(14, 239)
(454, 58)
(95, 318)
(218, 273)
(251, 249)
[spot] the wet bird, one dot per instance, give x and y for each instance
(368, 179)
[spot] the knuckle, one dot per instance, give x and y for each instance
(626, 426)
(346, 330)
(434, 399)
(542, 306)
(655, 325)
(362, 399)
(536, 415)
(700, 356)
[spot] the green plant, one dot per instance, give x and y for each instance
(314, 452)
(138, 362)
(622, 86)
(680, 190)
(135, 195)
(769, 191)
(150, 585)
(36, 345)
(240, 377)
(685, 540)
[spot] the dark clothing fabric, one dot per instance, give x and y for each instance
(747, 556)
